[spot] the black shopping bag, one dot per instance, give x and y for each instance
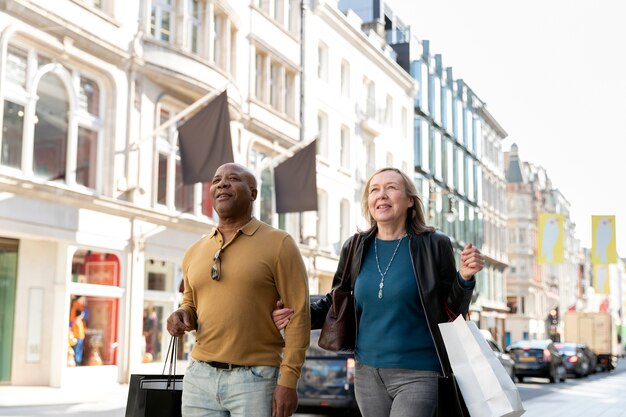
(156, 395)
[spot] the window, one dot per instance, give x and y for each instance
(322, 132)
(278, 11)
(423, 144)
(275, 84)
(193, 26)
(345, 147)
(63, 143)
(87, 151)
(458, 120)
(51, 129)
(344, 218)
(219, 39)
(170, 190)
(436, 110)
(267, 196)
(12, 133)
(289, 93)
(370, 98)
(450, 178)
(345, 78)
(259, 86)
(438, 157)
(448, 110)
(293, 14)
(389, 111)
(93, 318)
(161, 20)
(460, 164)
(16, 66)
(322, 62)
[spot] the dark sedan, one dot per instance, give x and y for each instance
(537, 358)
(327, 381)
(576, 362)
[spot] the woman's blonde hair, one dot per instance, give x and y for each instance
(415, 220)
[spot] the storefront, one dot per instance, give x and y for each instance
(93, 307)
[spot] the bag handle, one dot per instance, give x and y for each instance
(345, 276)
(171, 356)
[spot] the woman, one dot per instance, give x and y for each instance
(405, 282)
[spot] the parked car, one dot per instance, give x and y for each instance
(593, 359)
(576, 362)
(537, 358)
(327, 382)
(505, 359)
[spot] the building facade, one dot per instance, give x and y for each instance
(359, 106)
(536, 293)
(94, 216)
(458, 160)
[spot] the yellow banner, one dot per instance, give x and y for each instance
(603, 240)
(550, 238)
(601, 281)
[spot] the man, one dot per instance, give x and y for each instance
(232, 279)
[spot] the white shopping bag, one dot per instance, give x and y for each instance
(486, 387)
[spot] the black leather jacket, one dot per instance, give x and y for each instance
(436, 275)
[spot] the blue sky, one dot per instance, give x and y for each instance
(553, 74)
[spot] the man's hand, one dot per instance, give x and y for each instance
(472, 261)
(281, 315)
(284, 401)
(178, 323)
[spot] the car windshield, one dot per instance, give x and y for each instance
(565, 349)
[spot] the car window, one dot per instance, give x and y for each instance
(494, 347)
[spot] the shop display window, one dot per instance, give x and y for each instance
(93, 319)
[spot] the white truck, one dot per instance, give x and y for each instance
(597, 331)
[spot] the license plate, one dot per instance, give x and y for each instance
(527, 359)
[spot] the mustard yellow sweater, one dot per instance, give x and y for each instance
(233, 316)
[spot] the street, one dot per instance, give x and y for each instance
(597, 395)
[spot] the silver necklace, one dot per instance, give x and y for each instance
(383, 274)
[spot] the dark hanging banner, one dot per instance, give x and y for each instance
(296, 183)
(205, 141)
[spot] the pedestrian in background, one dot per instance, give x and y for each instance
(405, 282)
(232, 279)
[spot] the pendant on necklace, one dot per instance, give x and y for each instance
(380, 294)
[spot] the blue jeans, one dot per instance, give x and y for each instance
(241, 392)
(382, 392)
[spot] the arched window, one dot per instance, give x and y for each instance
(51, 128)
(52, 120)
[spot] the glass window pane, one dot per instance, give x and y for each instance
(87, 157)
(162, 179)
(184, 195)
(259, 77)
(93, 325)
(12, 133)
(16, 66)
(89, 96)
(165, 25)
(51, 127)
(267, 196)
